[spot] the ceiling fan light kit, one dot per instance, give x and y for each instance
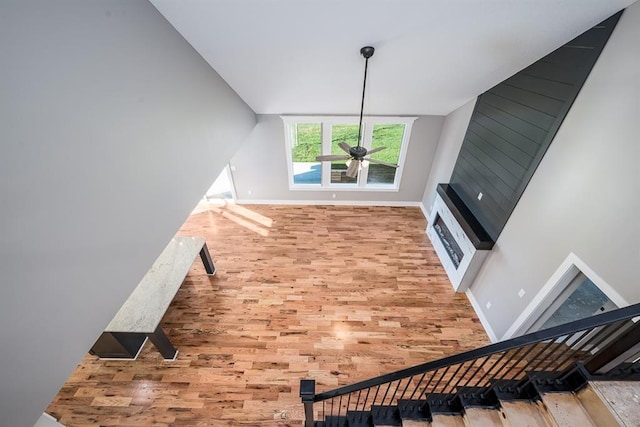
(356, 155)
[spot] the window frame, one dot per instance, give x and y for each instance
(326, 124)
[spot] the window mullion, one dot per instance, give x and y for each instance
(403, 153)
(325, 180)
(366, 143)
(367, 134)
(290, 136)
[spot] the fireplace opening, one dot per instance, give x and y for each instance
(449, 243)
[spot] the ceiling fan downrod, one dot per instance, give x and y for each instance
(367, 52)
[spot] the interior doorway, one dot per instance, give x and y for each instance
(580, 299)
(222, 188)
(574, 291)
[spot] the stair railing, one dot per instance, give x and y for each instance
(598, 344)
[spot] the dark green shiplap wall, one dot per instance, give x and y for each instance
(514, 123)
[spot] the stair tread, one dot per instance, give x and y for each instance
(523, 413)
(482, 417)
(415, 423)
(566, 410)
(443, 420)
(621, 398)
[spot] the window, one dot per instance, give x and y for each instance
(309, 136)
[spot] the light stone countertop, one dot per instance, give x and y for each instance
(147, 304)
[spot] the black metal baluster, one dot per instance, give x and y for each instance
(533, 367)
(435, 387)
(375, 396)
(528, 364)
(465, 373)
(573, 350)
(505, 368)
(480, 380)
(358, 399)
(433, 375)
(366, 399)
(488, 372)
(472, 376)
(394, 395)
(332, 405)
(499, 366)
(384, 397)
(450, 383)
(406, 387)
(604, 335)
(552, 360)
(418, 386)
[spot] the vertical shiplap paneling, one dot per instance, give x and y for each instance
(514, 123)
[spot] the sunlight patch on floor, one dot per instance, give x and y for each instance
(247, 218)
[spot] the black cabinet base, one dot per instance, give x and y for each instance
(118, 345)
(127, 345)
(205, 256)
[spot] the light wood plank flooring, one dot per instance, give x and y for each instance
(338, 294)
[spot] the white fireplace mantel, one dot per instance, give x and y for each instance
(458, 239)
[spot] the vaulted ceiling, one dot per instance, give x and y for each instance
(302, 56)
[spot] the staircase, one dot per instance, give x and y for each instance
(584, 408)
(585, 373)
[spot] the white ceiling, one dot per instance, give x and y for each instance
(302, 56)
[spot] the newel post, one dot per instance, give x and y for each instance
(307, 393)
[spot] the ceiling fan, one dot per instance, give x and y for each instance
(356, 155)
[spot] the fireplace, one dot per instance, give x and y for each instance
(458, 238)
(448, 241)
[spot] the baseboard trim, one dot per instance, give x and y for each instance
(483, 320)
(328, 202)
(424, 211)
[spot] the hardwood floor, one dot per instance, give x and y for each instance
(338, 294)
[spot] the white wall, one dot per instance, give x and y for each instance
(111, 129)
(261, 167)
(453, 131)
(585, 195)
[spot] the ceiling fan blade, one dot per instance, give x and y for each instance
(332, 157)
(375, 150)
(352, 170)
(344, 146)
(382, 163)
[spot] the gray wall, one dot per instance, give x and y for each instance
(112, 127)
(453, 131)
(261, 166)
(584, 197)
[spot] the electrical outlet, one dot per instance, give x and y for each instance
(479, 196)
(249, 192)
(521, 293)
(488, 305)
(333, 195)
